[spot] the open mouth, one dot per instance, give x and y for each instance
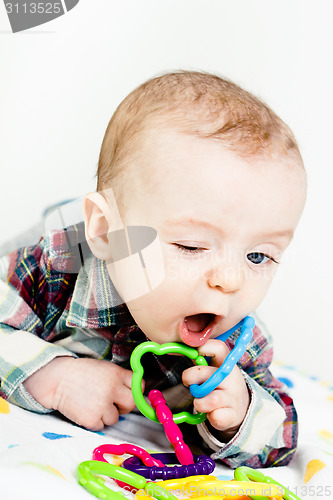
(195, 330)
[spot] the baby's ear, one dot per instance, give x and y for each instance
(97, 219)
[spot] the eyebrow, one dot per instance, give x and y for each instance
(287, 234)
(191, 222)
(284, 233)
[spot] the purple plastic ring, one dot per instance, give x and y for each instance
(202, 465)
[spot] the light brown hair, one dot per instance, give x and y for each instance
(194, 103)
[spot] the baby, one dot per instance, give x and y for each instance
(219, 177)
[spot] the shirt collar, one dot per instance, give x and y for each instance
(95, 301)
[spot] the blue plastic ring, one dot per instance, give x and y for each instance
(247, 325)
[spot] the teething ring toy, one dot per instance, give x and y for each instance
(172, 431)
(248, 474)
(86, 473)
(171, 347)
(176, 484)
(121, 449)
(247, 325)
(202, 465)
(203, 487)
(232, 489)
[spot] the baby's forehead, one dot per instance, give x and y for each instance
(160, 141)
(170, 157)
(176, 159)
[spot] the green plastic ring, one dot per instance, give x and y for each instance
(86, 473)
(248, 474)
(159, 350)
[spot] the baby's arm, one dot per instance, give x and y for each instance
(39, 375)
(90, 392)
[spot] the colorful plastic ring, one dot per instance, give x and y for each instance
(201, 487)
(86, 473)
(171, 429)
(176, 484)
(202, 465)
(137, 368)
(247, 325)
(121, 449)
(249, 474)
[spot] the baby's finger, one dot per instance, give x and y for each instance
(124, 400)
(110, 415)
(127, 376)
(216, 350)
(222, 418)
(95, 420)
(213, 401)
(197, 374)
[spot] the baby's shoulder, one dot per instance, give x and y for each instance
(66, 249)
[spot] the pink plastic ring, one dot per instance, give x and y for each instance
(121, 449)
(171, 429)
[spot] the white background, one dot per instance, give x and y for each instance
(60, 83)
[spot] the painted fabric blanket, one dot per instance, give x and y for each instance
(39, 454)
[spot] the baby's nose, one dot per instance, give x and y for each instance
(228, 278)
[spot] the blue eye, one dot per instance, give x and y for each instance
(259, 258)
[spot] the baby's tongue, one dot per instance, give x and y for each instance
(197, 322)
(195, 330)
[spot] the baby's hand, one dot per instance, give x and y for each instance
(90, 392)
(227, 405)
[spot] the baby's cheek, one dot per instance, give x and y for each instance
(260, 286)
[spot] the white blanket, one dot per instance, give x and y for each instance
(39, 454)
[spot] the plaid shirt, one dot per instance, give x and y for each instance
(51, 305)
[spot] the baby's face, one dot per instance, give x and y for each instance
(223, 223)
